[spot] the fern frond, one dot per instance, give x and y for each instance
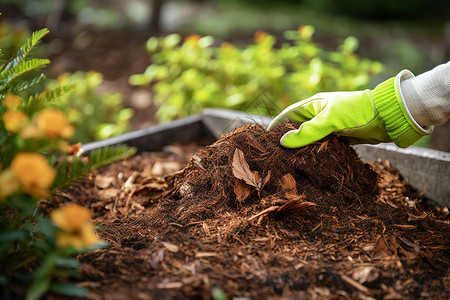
(49, 95)
(69, 170)
(25, 84)
(7, 77)
(25, 49)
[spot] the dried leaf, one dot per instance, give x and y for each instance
(241, 169)
(288, 184)
(381, 250)
(241, 190)
(294, 206)
(265, 180)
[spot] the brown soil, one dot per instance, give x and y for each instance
(334, 228)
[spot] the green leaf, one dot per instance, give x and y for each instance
(26, 49)
(42, 278)
(68, 289)
(38, 289)
(12, 236)
(69, 172)
(25, 84)
(8, 76)
(67, 262)
(47, 96)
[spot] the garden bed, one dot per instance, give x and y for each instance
(260, 222)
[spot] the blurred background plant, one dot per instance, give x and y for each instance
(36, 159)
(259, 78)
(95, 115)
(108, 36)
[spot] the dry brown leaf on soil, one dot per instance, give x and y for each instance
(241, 190)
(294, 206)
(381, 250)
(241, 170)
(288, 184)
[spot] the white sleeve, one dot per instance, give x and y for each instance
(427, 96)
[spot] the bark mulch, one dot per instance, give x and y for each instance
(244, 218)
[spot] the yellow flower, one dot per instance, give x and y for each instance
(8, 184)
(14, 120)
(75, 229)
(12, 101)
(29, 131)
(71, 217)
(52, 122)
(33, 172)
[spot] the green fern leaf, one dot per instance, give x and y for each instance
(24, 67)
(23, 52)
(49, 95)
(68, 172)
(25, 84)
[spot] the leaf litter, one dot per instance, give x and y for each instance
(258, 221)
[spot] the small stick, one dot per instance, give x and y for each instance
(267, 210)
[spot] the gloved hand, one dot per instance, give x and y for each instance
(370, 116)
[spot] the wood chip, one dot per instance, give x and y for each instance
(206, 254)
(171, 247)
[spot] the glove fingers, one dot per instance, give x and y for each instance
(308, 133)
(299, 112)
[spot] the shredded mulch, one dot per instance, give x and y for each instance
(244, 218)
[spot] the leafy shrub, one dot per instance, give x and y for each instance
(36, 160)
(96, 116)
(258, 78)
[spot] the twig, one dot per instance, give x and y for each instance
(355, 284)
(267, 210)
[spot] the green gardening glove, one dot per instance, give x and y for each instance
(370, 116)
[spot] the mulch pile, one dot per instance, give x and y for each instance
(248, 218)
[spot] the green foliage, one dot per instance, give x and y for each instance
(11, 38)
(259, 78)
(35, 250)
(71, 168)
(96, 116)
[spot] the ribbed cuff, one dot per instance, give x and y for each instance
(400, 126)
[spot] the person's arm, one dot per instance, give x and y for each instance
(427, 96)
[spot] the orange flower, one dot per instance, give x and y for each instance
(12, 101)
(75, 229)
(52, 122)
(34, 173)
(14, 120)
(192, 40)
(260, 36)
(71, 217)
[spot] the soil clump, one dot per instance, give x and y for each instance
(249, 171)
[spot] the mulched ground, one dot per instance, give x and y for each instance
(244, 218)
